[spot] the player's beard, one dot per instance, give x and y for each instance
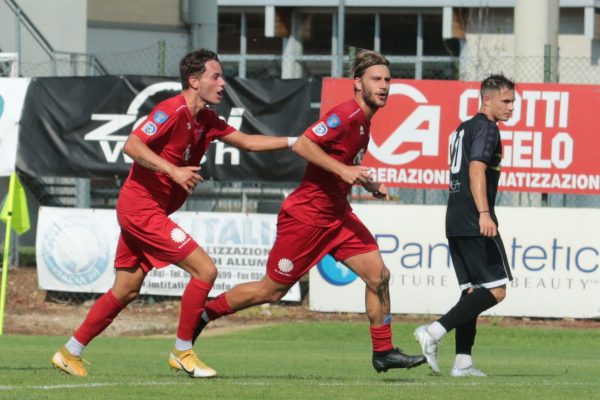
(372, 100)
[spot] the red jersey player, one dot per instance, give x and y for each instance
(316, 219)
(167, 148)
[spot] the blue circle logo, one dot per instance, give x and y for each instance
(68, 259)
(335, 272)
(160, 117)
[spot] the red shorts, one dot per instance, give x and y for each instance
(298, 246)
(151, 241)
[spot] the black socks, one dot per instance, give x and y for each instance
(468, 308)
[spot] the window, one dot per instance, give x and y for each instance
(488, 20)
(402, 71)
(433, 43)
(445, 70)
(263, 69)
(359, 31)
(399, 34)
(257, 42)
(229, 33)
(571, 21)
(315, 32)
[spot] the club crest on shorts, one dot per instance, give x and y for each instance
(285, 265)
(320, 129)
(178, 235)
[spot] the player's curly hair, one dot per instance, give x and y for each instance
(495, 82)
(194, 63)
(365, 59)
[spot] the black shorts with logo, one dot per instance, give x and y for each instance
(479, 261)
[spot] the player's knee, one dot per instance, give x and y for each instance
(379, 279)
(127, 295)
(499, 293)
(206, 273)
(384, 277)
(210, 273)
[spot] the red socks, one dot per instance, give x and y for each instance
(100, 316)
(218, 307)
(192, 305)
(381, 336)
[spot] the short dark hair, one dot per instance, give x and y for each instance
(194, 63)
(365, 59)
(495, 82)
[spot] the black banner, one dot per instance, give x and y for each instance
(76, 127)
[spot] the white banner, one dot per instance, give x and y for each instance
(76, 248)
(12, 95)
(554, 254)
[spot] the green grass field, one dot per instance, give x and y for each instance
(309, 361)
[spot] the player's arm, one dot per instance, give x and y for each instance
(312, 152)
(186, 177)
(478, 182)
(257, 142)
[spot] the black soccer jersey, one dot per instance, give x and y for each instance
(477, 139)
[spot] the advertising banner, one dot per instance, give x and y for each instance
(12, 95)
(76, 248)
(554, 255)
(77, 127)
(549, 145)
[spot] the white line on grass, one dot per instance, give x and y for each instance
(89, 385)
(461, 382)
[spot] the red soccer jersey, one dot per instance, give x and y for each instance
(170, 131)
(322, 197)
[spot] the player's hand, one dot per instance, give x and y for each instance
(487, 226)
(381, 192)
(378, 189)
(355, 175)
(186, 177)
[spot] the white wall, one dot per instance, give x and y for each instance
(62, 22)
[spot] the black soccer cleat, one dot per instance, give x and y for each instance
(382, 361)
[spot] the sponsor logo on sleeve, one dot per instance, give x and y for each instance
(160, 117)
(333, 121)
(320, 129)
(149, 128)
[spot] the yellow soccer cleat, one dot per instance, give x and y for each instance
(67, 362)
(188, 361)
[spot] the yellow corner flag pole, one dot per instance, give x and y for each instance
(16, 216)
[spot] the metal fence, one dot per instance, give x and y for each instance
(161, 60)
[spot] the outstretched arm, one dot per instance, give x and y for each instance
(257, 142)
(186, 177)
(312, 152)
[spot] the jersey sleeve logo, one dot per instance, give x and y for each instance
(320, 129)
(160, 117)
(333, 121)
(149, 128)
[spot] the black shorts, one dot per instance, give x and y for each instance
(479, 261)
